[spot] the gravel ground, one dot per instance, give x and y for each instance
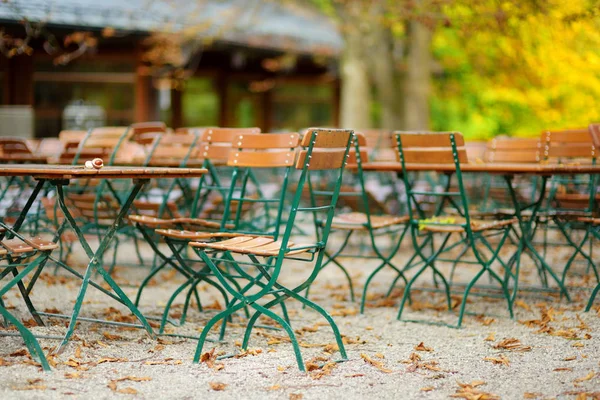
(549, 350)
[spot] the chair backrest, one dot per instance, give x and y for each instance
(275, 151)
(513, 150)
(171, 149)
(216, 143)
(595, 134)
(14, 146)
(100, 142)
(433, 148)
(379, 144)
(322, 150)
(145, 132)
(568, 144)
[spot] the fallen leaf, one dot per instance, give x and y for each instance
(511, 344)
(588, 377)
(502, 359)
(427, 389)
(296, 396)
(217, 386)
(110, 336)
(490, 337)
(376, 364)
(570, 358)
(18, 353)
(127, 390)
(421, 347)
(531, 395)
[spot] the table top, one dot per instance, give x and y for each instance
(490, 168)
(39, 171)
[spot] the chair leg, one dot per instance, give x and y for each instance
(592, 297)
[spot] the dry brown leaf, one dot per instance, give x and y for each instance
(78, 352)
(421, 347)
(511, 344)
(296, 396)
(166, 361)
(562, 369)
(427, 389)
(469, 391)
(209, 358)
(127, 390)
(217, 386)
(578, 344)
(522, 304)
(29, 387)
(490, 337)
(18, 353)
(532, 395)
(275, 387)
(570, 358)
(376, 364)
(111, 359)
(502, 359)
(73, 375)
(110, 336)
(588, 377)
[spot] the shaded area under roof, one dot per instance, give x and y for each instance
(255, 23)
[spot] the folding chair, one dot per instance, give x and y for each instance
(206, 210)
(323, 150)
(448, 148)
(366, 219)
(571, 199)
(20, 256)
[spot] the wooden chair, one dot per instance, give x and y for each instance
(448, 148)
(205, 211)
(365, 218)
(322, 150)
(19, 257)
(572, 200)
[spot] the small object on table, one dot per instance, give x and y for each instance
(96, 163)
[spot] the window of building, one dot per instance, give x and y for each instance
(200, 103)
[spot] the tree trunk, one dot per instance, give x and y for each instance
(356, 90)
(383, 72)
(417, 82)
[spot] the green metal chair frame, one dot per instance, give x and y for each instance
(323, 150)
(440, 148)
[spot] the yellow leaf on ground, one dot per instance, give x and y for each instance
(217, 386)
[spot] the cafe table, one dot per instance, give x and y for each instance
(508, 171)
(59, 176)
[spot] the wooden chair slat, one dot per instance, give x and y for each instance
(261, 159)
(327, 138)
(430, 139)
(322, 159)
(266, 141)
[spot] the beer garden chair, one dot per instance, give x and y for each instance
(323, 149)
(449, 148)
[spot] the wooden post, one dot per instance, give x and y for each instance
(176, 110)
(267, 111)
(336, 98)
(19, 81)
(221, 86)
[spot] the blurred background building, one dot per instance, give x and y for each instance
(273, 67)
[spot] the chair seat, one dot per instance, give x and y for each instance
(593, 221)
(193, 235)
(358, 221)
(154, 222)
(256, 245)
(452, 224)
(17, 246)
